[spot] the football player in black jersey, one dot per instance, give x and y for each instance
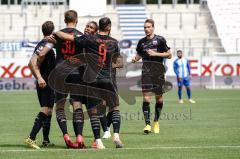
(152, 49)
(66, 50)
(44, 92)
(107, 52)
(92, 28)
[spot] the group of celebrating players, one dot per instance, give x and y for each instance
(98, 56)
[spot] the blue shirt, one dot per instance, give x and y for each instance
(181, 67)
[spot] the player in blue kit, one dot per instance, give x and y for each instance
(183, 72)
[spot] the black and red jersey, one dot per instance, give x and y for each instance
(66, 49)
(105, 47)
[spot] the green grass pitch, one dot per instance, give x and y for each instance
(208, 129)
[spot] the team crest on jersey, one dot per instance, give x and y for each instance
(79, 35)
(155, 42)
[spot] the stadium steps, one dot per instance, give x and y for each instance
(131, 21)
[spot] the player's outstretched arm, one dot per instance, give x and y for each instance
(64, 36)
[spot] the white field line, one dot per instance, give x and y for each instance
(166, 100)
(133, 148)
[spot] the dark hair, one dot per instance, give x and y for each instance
(104, 24)
(70, 16)
(95, 23)
(47, 28)
(179, 51)
(149, 21)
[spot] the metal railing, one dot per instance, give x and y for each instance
(11, 18)
(160, 3)
(190, 46)
(181, 17)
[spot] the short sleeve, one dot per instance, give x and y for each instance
(40, 47)
(139, 48)
(163, 44)
(49, 45)
(79, 39)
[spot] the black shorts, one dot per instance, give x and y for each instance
(153, 78)
(45, 96)
(73, 79)
(109, 91)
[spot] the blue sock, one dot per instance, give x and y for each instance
(188, 92)
(180, 93)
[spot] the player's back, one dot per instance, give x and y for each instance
(49, 61)
(66, 49)
(106, 48)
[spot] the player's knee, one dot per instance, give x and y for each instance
(77, 105)
(147, 99)
(50, 110)
(159, 99)
(44, 109)
(114, 108)
(60, 105)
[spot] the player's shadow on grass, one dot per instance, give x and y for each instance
(12, 146)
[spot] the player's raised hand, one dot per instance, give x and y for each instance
(41, 83)
(51, 39)
(134, 59)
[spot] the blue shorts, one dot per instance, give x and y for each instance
(184, 81)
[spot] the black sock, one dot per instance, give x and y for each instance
(62, 121)
(158, 110)
(78, 121)
(95, 123)
(37, 125)
(146, 112)
(46, 128)
(103, 120)
(109, 119)
(116, 121)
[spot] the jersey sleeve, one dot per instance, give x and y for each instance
(162, 44)
(40, 48)
(139, 48)
(80, 39)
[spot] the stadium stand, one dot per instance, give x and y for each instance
(189, 27)
(131, 19)
(226, 17)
